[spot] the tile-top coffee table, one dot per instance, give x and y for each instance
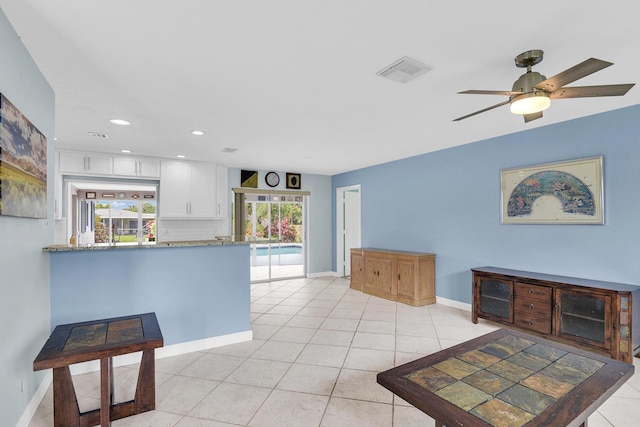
(101, 339)
(508, 378)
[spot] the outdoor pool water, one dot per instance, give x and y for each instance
(279, 250)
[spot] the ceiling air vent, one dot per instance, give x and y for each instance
(99, 135)
(404, 70)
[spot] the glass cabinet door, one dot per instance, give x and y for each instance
(585, 316)
(495, 297)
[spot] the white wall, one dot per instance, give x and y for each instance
(319, 223)
(24, 280)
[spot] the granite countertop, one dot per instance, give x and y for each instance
(219, 240)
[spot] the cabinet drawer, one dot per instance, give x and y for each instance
(533, 323)
(525, 290)
(532, 306)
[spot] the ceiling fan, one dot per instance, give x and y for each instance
(533, 92)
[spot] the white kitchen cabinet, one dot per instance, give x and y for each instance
(136, 166)
(222, 192)
(85, 163)
(57, 189)
(187, 190)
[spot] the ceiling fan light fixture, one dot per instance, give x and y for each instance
(530, 103)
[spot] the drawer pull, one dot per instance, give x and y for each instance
(532, 322)
(532, 291)
(531, 306)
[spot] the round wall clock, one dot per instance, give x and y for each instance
(272, 179)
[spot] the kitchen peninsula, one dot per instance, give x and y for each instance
(199, 290)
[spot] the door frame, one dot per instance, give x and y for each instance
(340, 255)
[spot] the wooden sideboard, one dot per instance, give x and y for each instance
(596, 315)
(407, 277)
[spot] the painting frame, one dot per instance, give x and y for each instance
(23, 165)
(565, 192)
(293, 181)
(248, 178)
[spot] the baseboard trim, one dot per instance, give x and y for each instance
(453, 303)
(128, 359)
(37, 397)
(323, 274)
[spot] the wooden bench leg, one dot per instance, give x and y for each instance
(66, 412)
(106, 390)
(145, 399)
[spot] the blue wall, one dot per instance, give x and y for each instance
(196, 292)
(448, 202)
(24, 283)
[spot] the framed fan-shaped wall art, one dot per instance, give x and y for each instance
(567, 192)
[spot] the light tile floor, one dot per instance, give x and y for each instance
(317, 348)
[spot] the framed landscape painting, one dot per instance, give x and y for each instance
(23, 165)
(554, 193)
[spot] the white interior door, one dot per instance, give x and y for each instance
(348, 226)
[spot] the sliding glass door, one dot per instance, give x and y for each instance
(276, 217)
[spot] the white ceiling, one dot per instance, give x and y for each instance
(292, 84)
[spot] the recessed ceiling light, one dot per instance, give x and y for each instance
(125, 151)
(180, 156)
(120, 122)
(197, 132)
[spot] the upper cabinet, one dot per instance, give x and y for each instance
(222, 192)
(136, 167)
(188, 190)
(85, 163)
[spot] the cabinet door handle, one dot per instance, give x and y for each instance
(531, 306)
(531, 291)
(398, 277)
(532, 322)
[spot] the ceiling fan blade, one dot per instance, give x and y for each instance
(587, 91)
(482, 111)
(490, 92)
(574, 73)
(533, 116)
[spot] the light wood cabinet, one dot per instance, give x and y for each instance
(407, 277)
(593, 314)
(356, 269)
(379, 271)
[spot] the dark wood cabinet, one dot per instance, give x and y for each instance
(494, 298)
(592, 314)
(407, 277)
